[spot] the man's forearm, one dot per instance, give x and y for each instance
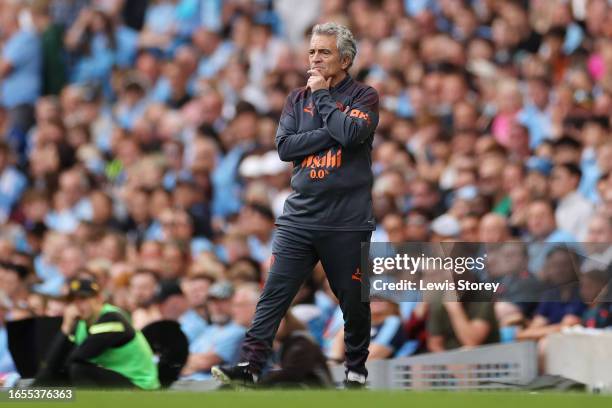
(298, 145)
(462, 326)
(203, 361)
(346, 130)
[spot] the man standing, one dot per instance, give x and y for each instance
(326, 130)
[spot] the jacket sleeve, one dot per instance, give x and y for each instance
(111, 330)
(353, 128)
(293, 146)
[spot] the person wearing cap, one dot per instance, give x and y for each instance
(219, 343)
(97, 345)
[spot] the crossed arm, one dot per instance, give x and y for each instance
(347, 128)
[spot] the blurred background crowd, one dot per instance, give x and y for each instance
(137, 148)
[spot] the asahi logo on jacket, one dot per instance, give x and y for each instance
(320, 164)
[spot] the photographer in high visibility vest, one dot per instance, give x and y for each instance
(97, 347)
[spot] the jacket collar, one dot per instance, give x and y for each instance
(342, 85)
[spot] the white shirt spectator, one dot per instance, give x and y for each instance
(573, 213)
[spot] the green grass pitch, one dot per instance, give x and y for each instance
(321, 399)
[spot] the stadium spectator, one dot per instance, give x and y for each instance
(594, 291)
(301, 362)
(97, 346)
(573, 210)
(12, 183)
(387, 332)
(218, 343)
(468, 321)
(144, 285)
(195, 286)
(20, 69)
(560, 306)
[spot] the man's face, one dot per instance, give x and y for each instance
(9, 282)
(142, 289)
(394, 226)
(220, 310)
(70, 261)
(540, 220)
(87, 306)
(196, 291)
(599, 231)
(561, 183)
(324, 56)
(70, 184)
(422, 196)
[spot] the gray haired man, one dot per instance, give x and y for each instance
(326, 130)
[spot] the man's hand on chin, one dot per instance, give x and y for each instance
(317, 81)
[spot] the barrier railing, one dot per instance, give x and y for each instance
(496, 366)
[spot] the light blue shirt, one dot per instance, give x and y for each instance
(23, 83)
(12, 185)
(160, 18)
(538, 123)
(211, 65)
(193, 325)
(539, 250)
(68, 220)
(97, 66)
(224, 341)
(227, 190)
(6, 360)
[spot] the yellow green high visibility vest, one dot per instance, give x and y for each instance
(133, 360)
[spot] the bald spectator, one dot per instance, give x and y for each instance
(597, 243)
(493, 228)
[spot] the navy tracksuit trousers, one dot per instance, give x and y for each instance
(295, 252)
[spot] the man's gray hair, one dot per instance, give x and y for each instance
(345, 41)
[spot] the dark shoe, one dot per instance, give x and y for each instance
(355, 380)
(238, 375)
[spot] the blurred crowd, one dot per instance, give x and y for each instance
(138, 149)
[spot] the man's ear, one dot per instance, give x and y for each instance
(346, 62)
